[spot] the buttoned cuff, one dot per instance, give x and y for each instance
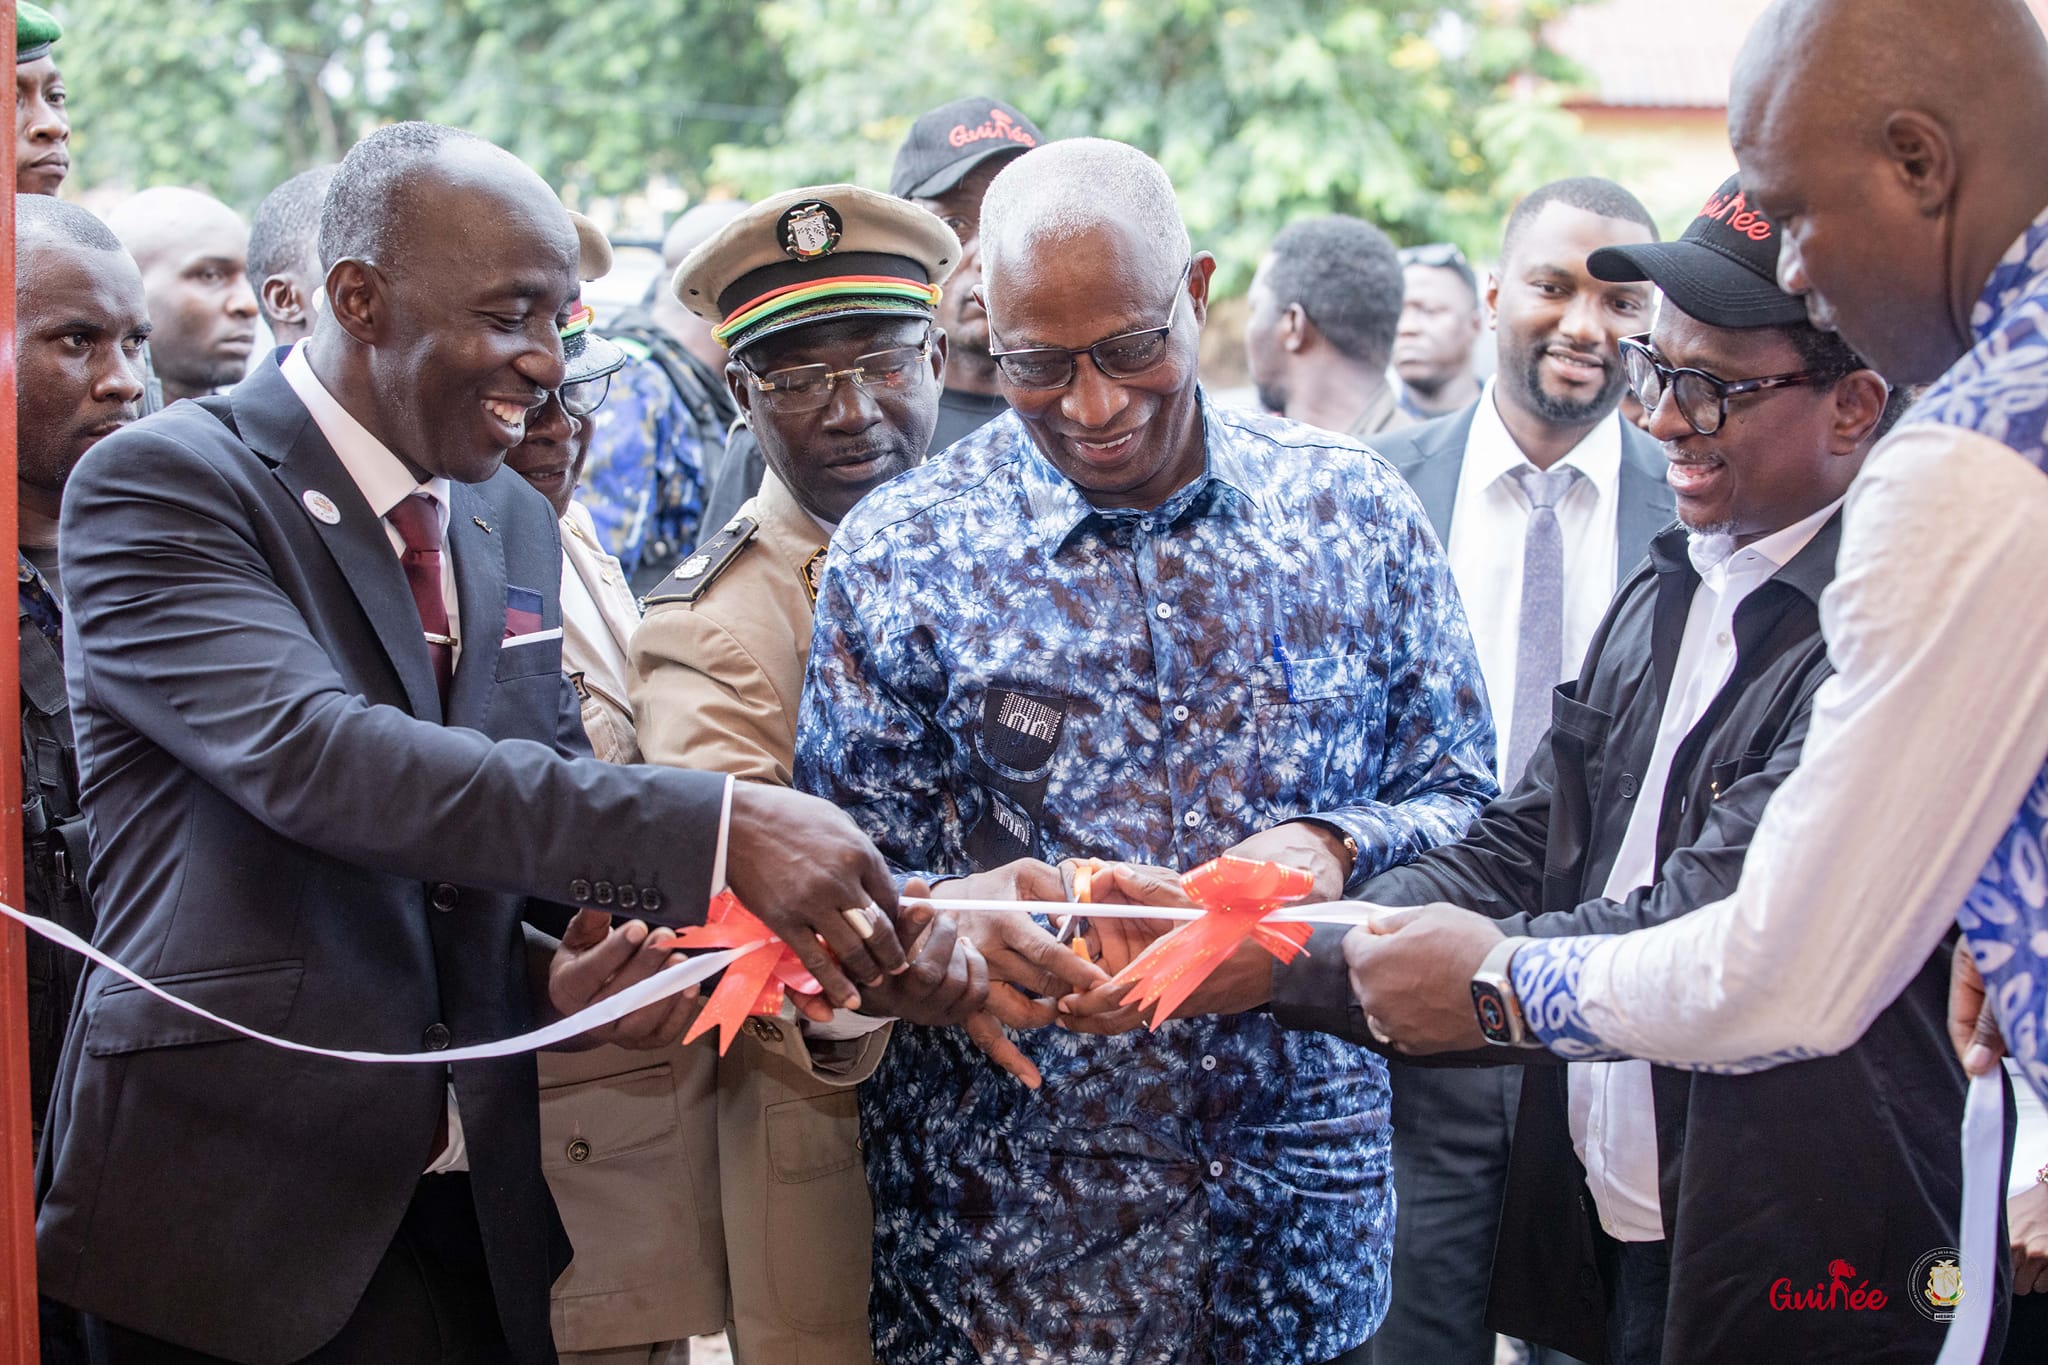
(1313, 992)
(1363, 826)
(1546, 973)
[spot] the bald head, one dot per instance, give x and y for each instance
(385, 202)
(691, 229)
(1900, 158)
(695, 226)
(1066, 190)
(194, 254)
(171, 218)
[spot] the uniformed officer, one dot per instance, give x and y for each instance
(824, 297)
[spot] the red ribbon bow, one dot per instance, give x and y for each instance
(1236, 895)
(754, 983)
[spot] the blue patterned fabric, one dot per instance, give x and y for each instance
(1999, 389)
(1001, 669)
(39, 604)
(644, 482)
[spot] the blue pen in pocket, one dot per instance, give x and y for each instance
(1280, 657)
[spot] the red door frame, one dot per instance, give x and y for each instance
(17, 1179)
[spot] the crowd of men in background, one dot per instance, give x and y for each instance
(893, 541)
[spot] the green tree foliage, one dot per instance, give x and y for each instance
(235, 95)
(1405, 114)
(1427, 119)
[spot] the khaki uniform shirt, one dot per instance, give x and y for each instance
(715, 686)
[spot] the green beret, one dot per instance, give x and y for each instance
(35, 29)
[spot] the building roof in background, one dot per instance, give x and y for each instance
(1653, 54)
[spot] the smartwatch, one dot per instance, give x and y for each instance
(1494, 1001)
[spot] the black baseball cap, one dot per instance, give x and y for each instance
(1723, 269)
(951, 140)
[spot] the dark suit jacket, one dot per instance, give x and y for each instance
(1431, 454)
(286, 831)
(1776, 1174)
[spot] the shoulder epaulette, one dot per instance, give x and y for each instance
(703, 567)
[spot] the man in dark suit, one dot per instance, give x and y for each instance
(1656, 1216)
(330, 765)
(1545, 499)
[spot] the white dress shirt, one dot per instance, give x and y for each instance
(380, 476)
(1863, 856)
(1613, 1121)
(1490, 523)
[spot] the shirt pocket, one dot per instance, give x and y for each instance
(1578, 747)
(1320, 723)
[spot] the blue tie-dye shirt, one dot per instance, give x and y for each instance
(1000, 670)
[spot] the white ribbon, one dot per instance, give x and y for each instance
(1983, 1192)
(663, 984)
(1347, 914)
(660, 986)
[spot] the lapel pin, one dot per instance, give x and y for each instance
(483, 525)
(322, 507)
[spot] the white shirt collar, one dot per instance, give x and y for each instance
(1715, 556)
(1492, 455)
(379, 475)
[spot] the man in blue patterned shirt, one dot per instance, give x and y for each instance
(1120, 622)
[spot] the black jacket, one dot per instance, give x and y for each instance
(1779, 1174)
(1431, 455)
(289, 830)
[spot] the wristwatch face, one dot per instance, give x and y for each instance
(1496, 1021)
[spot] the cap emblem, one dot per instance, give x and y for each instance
(810, 230)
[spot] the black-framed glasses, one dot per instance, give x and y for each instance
(1123, 356)
(1701, 398)
(805, 388)
(584, 398)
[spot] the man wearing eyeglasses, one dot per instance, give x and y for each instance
(1122, 622)
(1649, 1212)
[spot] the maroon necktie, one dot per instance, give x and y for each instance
(418, 520)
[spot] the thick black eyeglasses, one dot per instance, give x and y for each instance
(806, 388)
(1123, 356)
(1701, 398)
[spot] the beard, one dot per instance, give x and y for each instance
(1272, 397)
(1526, 374)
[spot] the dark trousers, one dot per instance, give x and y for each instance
(1638, 1290)
(429, 1301)
(1451, 1131)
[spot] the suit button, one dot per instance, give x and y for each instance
(579, 891)
(436, 1037)
(579, 1150)
(767, 1030)
(1627, 786)
(629, 897)
(602, 894)
(445, 896)
(650, 899)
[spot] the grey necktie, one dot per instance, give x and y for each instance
(1539, 654)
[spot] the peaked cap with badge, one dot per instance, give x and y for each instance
(36, 30)
(814, 254)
